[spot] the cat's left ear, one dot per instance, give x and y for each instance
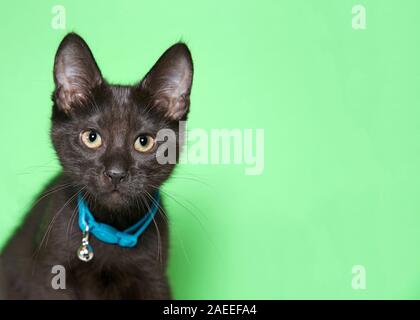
(76, 73)
(169, 81)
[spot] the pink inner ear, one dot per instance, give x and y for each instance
(179, 79)
(66, 99)
(175, 107)
(75, 72)
(169, 82)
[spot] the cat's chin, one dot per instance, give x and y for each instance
(113, 200)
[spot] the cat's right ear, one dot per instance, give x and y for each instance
(75, 73)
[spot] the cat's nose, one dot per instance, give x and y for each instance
(116, 176)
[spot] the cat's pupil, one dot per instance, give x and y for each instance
(143, 140)
(92, 136)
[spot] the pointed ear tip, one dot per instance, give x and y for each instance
(72, 34)
(181, 48)
(181, 45)
(72, 38)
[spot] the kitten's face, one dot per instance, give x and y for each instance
(104, 135)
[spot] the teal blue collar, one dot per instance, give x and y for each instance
(108, 234)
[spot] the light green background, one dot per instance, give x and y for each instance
(340, 110)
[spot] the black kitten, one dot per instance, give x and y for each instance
(105, 138)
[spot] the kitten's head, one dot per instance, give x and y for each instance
(105, 135)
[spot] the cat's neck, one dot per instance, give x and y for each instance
(122, 218)
(119, 218)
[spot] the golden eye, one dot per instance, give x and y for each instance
(144, 143)
(91, 139)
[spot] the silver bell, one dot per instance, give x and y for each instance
(85, 251)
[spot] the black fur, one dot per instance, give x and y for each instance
(50, 235)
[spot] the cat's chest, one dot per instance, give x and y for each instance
(106, 283)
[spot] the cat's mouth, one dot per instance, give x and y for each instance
(112, 199)
(115, 194)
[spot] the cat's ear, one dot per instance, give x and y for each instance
(75, 72)
(169, 81)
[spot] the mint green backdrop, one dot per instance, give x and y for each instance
(340, 110)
